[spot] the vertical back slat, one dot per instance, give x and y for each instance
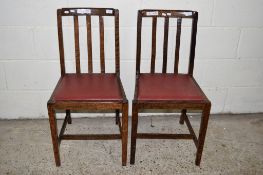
(193, 43)
(77, 52)
(154, 23)
(60, 41)
(89, 43)
(117, 43)
(138, 49)
(165, 44)
(102, 56)
(177, 48)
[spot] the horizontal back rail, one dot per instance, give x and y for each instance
(167, 13)
(88, 11)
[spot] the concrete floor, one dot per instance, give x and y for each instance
(234, 145)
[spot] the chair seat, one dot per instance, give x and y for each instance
(81, 87)
(168, 87)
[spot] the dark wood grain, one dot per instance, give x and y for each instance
(193, 43)
(167, 13)
(102, 54)
(138, 49)
(89, 43)
(83, 11)
(134, 131)
(154, 23)
(90, 136)
(177, 47)
(76, 35)
(165, 44)
(117, 43)
(61, 43)
(191, 130)
(54, 134)
(163, 136)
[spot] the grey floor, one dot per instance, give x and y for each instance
(234, 145)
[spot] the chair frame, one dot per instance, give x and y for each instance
(183, 105)
(71, 105)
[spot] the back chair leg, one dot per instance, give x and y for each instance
(54, 134)
(202, 133)
(69, 116)
(124, 133)
(183, 114)
(134, 132)
(117, 116)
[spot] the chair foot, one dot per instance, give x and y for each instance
(197, 161)
(54, 134)
(183, 114)
(69, 116)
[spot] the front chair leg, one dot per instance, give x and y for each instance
(202, 133)
(183, 114)
(134, 132)
(54, 134)
(69, 116)
(124, 133)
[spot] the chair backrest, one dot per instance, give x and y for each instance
(88, 12)
(166, 14)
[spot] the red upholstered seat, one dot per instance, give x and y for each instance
(88, 87)
(168, 87)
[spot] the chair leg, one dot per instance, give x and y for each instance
(183, 114)
(134, 132)
(117, 116)
(124, 133)
(69, 116)
(54, 134)
(202, 133)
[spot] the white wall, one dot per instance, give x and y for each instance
(229, 55)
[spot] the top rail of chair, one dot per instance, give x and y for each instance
(84, 11)
(168, 13)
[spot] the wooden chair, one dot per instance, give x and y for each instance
(88, 91)
(168, 90)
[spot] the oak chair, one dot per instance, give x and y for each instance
(88, 91)
(169, 90)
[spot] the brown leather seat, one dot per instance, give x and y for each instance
(88, 87)
(168, 87)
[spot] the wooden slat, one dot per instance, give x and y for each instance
(77, 52)
(154, 22)
(177, 48)
(60, 40)
(138, 49)
(165, 44)
(163, 136)
(191, 130)
(117, 43)
(102, 55)
(90, 136)
(89, 43)
(193, 42)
